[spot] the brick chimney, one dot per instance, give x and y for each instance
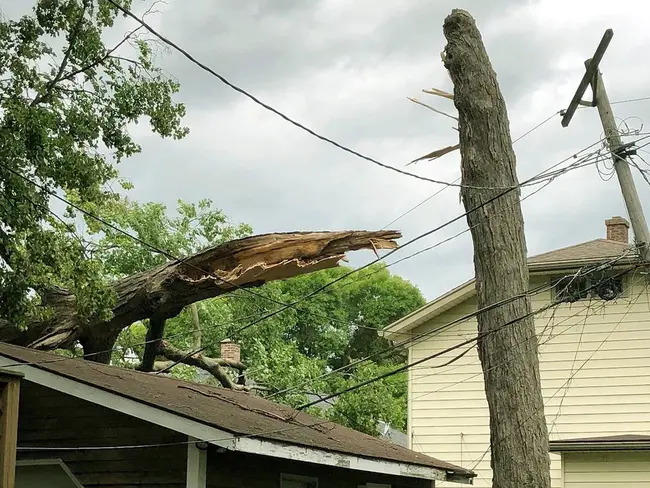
(230, 350)
(618, 229)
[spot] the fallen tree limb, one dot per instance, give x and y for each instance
(214, 366)
(167, 289)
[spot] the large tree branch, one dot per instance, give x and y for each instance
(153, 337)
(214, 366)
(74, 34)
(169, 288)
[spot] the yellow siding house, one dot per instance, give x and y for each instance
(594, 362)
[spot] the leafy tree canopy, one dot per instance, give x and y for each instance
(64, 124)
(65, 116)
(293, 348)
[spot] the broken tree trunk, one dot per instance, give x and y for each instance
(518, 431)
(164, 291)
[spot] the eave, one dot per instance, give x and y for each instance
(224, 439)
(467, 290)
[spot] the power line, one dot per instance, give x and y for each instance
(163, 252)
(257, 434)
(545, 121)
(447, 350)
(264, 105)
(573, 363)
(254, 316)
(285, 306)
(415, 239)
(127, 234)
(414, 378)
(277, 112)
(438, 192)
(171, 444)
(630, 100)
(573, 375)
(411, 340)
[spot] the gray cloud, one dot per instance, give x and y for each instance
(345, 69)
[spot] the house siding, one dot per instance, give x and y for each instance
(50, 419)
(604, 345)
(607, 470)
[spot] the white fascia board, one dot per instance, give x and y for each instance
(122, 404)
(328, 458)
(197, 465)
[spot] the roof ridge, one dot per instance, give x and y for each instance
(574, 246)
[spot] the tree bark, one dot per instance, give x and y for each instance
(518, 431)
(167, 289)
(196, 324)
(214, 366)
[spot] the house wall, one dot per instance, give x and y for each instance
(238, 470)
(610, 469)
(51, 419)
(604, 346)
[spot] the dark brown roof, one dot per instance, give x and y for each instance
(238, 413)
(605, 443)
(587, 251)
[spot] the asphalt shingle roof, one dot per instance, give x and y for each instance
(587, 251)
(236, 412)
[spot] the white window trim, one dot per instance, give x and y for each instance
(51, 462)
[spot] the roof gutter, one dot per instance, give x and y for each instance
(467, 290)
(560, 446)
(221, 438)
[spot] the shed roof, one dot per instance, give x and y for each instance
(238, 413)
(604, 443)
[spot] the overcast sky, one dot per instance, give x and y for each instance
(345, 69)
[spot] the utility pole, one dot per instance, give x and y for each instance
(619, 151)
(518, 430)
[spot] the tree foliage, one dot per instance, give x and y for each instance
(329, 331)
(64, 125)
(65, 120)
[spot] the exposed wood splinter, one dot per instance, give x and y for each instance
(439, 93)
(415, 100)
(438, 153)
(167, 289)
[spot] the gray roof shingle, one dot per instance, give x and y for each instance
(236, 412)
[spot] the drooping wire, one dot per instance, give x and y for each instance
(478, 337)
(256, 434)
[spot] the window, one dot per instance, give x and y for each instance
(596, 286)
(296, 481)
(44, 473)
